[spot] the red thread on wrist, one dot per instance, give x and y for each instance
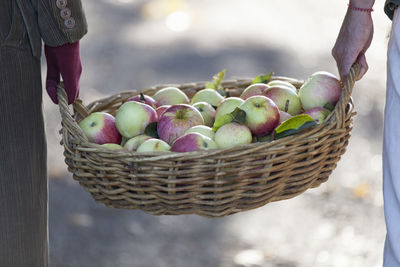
(369, 10)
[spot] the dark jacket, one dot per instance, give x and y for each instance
(390, 6)
(56, 22)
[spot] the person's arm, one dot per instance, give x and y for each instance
(354, 38)
(62, 24)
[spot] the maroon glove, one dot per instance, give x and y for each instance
(64, 60)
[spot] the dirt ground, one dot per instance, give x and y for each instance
(135, 44)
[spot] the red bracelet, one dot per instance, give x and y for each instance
(369, 10)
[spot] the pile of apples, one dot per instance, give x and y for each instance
(170, 121)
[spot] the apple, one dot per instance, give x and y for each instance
(144, 99)
(286, 100)
(228, 105)
(193, 142)
(99, 128)
(202, 129)
(233, 134)
(322, 89)
(207, 111)
(262, 115)
(133, 143)
(170, 96)
(208, 95)
(160, 110)
(176, 120)
(283, 116)
(153, 144)
(112, 146)
(318, 114)
(282, 84)
(254, 89)
(132, 118)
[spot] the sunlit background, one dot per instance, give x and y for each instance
(135, 44)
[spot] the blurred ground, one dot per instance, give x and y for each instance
(135, 44)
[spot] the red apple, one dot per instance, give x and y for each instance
(99, 127)
(254, 89)
(192, 142)
(322, 89)
(283, 116)
(286, 99)
(262, 115)
(176, 120)
(145, 99)
(132, 118)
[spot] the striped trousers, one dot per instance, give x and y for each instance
(23, 175)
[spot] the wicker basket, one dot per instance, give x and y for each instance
(212, 183)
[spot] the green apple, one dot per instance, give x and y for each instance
(286, 99)
(207, 111)
(153, 144)
(133, 143)
(112, 146)
(282, 83)
(202, 129)
(228, 105)
(233, 134)
(170, 96)
(208, 95)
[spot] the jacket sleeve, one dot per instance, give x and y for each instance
(390, 6)
(61, 21)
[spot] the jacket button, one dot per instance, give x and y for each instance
(69, 23)
(61, 3)
(65, 13)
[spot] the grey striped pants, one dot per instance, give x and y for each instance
(23, 175)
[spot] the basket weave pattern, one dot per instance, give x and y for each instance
(212, 183)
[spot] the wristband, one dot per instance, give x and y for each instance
(368, 10)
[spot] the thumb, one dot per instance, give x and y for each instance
(364, 66)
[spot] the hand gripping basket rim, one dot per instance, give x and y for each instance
(210, 183)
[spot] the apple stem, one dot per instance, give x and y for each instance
(287, 105)
(142, 98)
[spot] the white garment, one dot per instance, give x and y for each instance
(391, 149)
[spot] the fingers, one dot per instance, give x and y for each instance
(53, 75)
(71, 76)
(364, 66)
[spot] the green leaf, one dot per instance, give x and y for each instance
(263, 78)
(238, 115)
(151, 130)
(211, 86)
(294, 125)
(218, 78)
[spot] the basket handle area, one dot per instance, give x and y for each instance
(347, 89)
(67, 121)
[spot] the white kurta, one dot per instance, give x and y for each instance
(391, 149)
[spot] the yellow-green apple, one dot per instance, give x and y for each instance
(176, 120)
(144, 99)
(321, 89)
(99, 128)
(193, 142)
(208, 95)
(228, 105)
(170, 96)
(153, 144)
(318, 114)
(160, 110)
(283, 116)
(133, 143)
(262, 115)
(132, 118)
(254, 89)
(282, 83)
(233, 134)
(286, 99)
(202, 129)
(112, 146)
(207, 111)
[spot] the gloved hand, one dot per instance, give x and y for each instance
(64, 60)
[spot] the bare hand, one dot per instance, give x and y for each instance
(354, 39)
